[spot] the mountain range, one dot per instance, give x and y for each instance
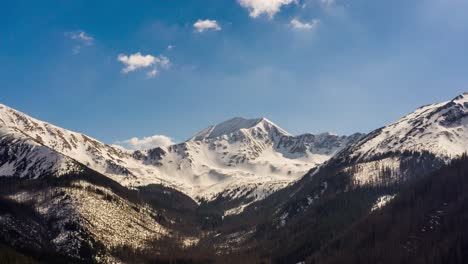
(234, 191)
(237, 158)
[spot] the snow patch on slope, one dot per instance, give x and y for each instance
(97, 212)
(23, 157)
(373, 172)
(382, 201)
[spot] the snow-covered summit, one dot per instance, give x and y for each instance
(235, 125)
(231, 157)
(441, 129)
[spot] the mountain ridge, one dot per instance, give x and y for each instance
(252, 153)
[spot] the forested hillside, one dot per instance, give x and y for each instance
(425, 223)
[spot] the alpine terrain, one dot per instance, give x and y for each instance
(241, 190)
(358, 180)
(239, 158)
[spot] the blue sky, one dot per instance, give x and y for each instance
(342, 66)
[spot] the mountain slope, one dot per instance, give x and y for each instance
(80, 147)
(24, 157)
(437, 128)
(89, 218)
(417, 144)
(425, 223)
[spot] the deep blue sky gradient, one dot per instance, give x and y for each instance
(366, 64)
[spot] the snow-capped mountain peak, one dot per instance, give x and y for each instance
(236, 124)
(440, 128)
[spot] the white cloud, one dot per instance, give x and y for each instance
(268, 7)
(295, 23)
(204, 25)
(81, 38)
(136, 61)
(145, 143)
(170, 47)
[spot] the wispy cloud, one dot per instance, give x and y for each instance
(145, 143)
(327, 3)
(297, 24)
(268, 7)
(152, 73)
(81, 38)
(324, 4)
(137, 61)
(204, 25)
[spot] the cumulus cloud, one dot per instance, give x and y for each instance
(145, 143)
(81, 38)
(297, 24)
(204, 25)
(268, 7)
(137, 61)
